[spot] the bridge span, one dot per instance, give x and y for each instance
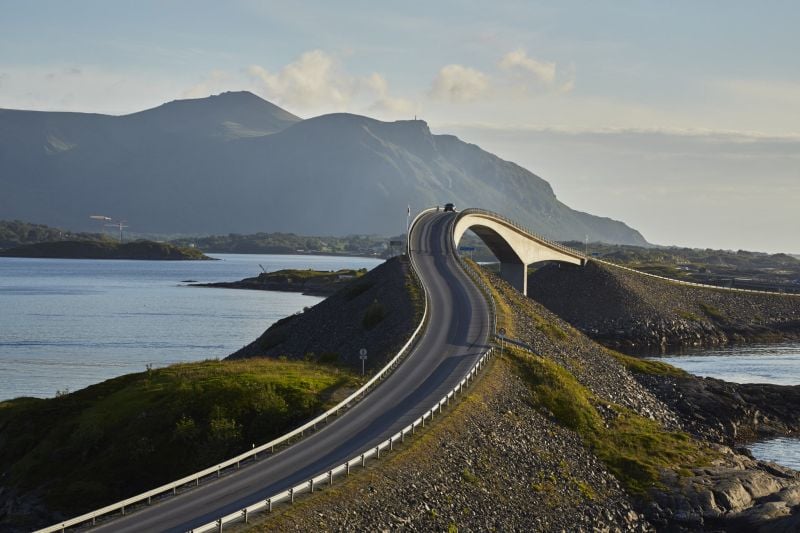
(514, 246)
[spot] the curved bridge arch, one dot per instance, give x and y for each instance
(514, 246)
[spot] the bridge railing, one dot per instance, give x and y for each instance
(691, 283)
(551, 243)
(235, 462)
(478, 280)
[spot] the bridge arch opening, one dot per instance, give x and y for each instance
(514, 248)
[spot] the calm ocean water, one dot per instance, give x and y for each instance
(762, 363)
(66, 324)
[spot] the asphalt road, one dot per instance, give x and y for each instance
(456, 335)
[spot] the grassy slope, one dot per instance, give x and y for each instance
(131, 433)
(633, 447)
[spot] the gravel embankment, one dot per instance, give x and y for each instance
(493, 464)
(634, 312)
(497, 462)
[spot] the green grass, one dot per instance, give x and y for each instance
(686, 315)
(634, 448)
(134, 432)
(644, 366)
(712, 312)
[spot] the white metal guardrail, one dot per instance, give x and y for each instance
(692, 283)
(235, 462)
(327, 478)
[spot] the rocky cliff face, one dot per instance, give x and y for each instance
(633, 312)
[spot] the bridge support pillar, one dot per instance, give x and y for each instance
(516, 274)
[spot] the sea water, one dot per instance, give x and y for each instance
(759, 363)
(68, 323)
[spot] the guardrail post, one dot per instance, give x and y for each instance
(244, 512)
(269, 505)
(237, 465)
(363, 460)
(311, 485)
(218, 474)
(149, 498)
(174, 491)
(291, 495)
(219, 524)
(391, 444)
(123, 510)
(378, 451)
(197, 482)
(402, 435)
(330, 477)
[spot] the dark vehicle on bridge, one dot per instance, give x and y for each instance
(449, 207)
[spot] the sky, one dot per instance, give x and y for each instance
(680, 118)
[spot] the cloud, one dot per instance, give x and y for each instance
(458, 83)
(217, 81)
(384, 102)
(518, 60)
(314, 80)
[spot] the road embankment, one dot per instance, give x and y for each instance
(377, 311)
(637, 313)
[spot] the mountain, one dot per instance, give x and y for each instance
(236, 163)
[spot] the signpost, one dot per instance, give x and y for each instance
(502, 334)
(362, 354)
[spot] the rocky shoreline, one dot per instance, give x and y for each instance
(309, 282)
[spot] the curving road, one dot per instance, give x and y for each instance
(456, 336)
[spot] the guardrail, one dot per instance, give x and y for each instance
(691, 283)
(327, 478)
(478, 280)
(235, 462)
(553, 244)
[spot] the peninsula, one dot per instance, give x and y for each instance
(143, 250)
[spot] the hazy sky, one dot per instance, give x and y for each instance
(681, 118)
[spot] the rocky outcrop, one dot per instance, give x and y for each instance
(377, 311)
(737, 494)
(633, 312)
(729, 413)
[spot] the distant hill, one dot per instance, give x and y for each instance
(145, 250)
(14, 233)
(235, 163)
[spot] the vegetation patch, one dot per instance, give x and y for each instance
(686, 315)
(90, 447)
(713, 312)
(634, 448)
(374, 314)
(644, 366)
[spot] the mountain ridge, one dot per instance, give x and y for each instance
(257, 167)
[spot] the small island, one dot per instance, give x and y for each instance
(310, 282)
(140, 250)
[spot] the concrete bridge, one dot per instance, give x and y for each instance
(513, 245)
